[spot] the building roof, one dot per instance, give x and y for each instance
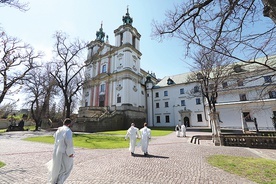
(244, 67)
(174, 80)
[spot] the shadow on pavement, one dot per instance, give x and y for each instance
(149, 156)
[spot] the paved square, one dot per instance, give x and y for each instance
(172, 160)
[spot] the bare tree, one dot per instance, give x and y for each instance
(225, 27)
(41, 88)
(15, 4)
(17, 60)
(6, 109)
(68, 68)
(210, 70)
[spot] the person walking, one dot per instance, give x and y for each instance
(145, 137)
(132, 134)
(22, 122)
(62, 161)
(183, 130)
(177, 130)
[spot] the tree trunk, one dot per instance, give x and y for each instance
(216, 132)
(270, 9)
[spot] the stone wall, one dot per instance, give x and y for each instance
(117, 120)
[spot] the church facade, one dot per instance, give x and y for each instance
(114, 88)
(117, 92)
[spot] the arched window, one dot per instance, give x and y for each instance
(104, 69)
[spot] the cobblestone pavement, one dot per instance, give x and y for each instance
(172, 160)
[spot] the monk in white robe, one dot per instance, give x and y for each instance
(132, 134)
(62, 162)
(145, 137)
(183, 130)
(177, 130)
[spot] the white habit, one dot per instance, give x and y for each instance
(177, 130)
(183, 130)
(145, 136)
(62, 164)
(132, 134)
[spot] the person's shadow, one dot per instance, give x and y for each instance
(149, 156)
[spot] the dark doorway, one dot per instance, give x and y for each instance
(187, 122)
(101, 101)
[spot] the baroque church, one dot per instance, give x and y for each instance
(117, 92)
(114, 93)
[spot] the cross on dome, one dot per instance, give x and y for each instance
(100, 34)
(127, 20)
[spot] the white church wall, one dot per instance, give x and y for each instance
(231, 114)
(137, 44)
(230, 117)
(128, 37)
(174, 105)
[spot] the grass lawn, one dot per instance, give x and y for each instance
(2, 164)
(259, 170)
(101, 140)
(91, 141)
(154, 132)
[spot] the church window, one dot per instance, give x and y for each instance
(182, 91)
(133, 41)
(167, 119)
(199, 117)
(198, 101)
(156, 94)
(118, 99)
(246, 116)
(243, 97)
(157, 105)
(102, 88)
(196, 89)
(272, 94)
(170, 81)
(183, 103)
(104, 69)
(121, 39)
(158, 119)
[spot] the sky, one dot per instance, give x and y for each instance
(81, 19)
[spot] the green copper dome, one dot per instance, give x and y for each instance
(127, 20)
(100, 34)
